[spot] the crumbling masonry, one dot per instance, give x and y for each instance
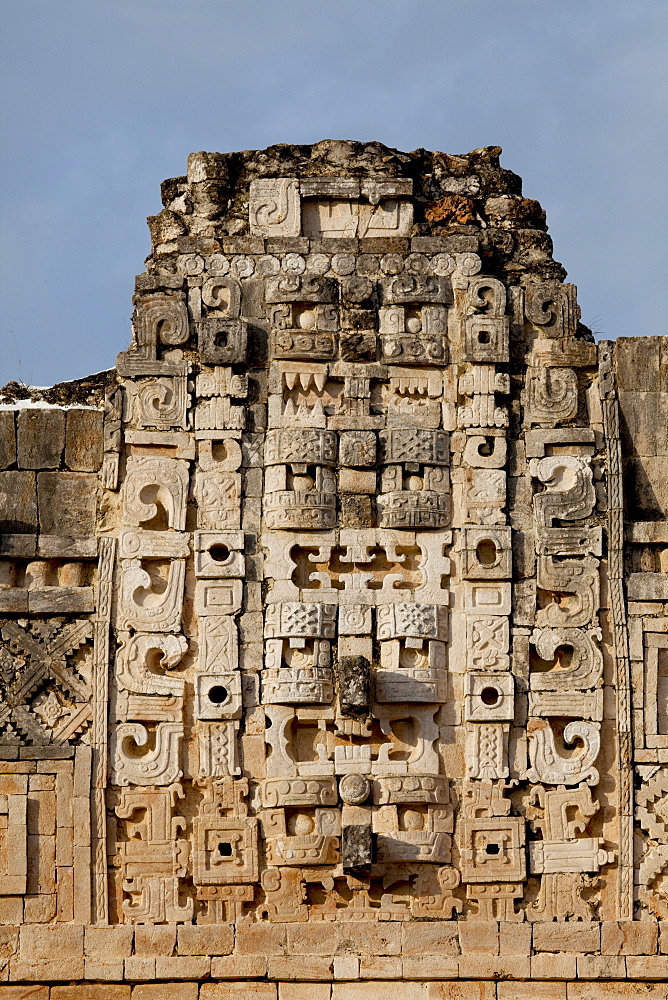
(334, 619)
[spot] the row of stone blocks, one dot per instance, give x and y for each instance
(358, 951)
(378, 990)
(45, 437)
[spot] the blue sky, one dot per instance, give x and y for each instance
(103, 99)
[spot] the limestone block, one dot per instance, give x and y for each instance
(160, 765)
(66, 547)
(639, 408)
(274, 208)
(299, 967)
(480, 937)
(40, 438)
(531, 991)
(356, 848)
(155, 490)
(322, 217)
(550, 766)
(218, 695)
(489, 697)
(353, 679)
(374, 939)
(151, 940)
(165, 991)
(503, 967)
(24, 992)
(569, 937)
(61, 600)
(11, 910)
(83, 440)
(551, 395)
(223, 294)
(357, 481)
(553, 966)
(91, 991)
(7, 439)
(48, 969)
(239, 966)
(304, 991)
(486, 553)
(375, 991)
(537, 441)
(163, 581)
(18, 502)
(183, 967)
(261, 939)
(637, 363)
(431, 938)
(616, 991)
(42, 942)
(462, 991)
(66, 503)
(105, 944)
(648, 587)
(486, 338)
(238, 991)
(601, 967)
(428, 966)
(219, 554)
(514, 938)
(346, 967)
(357, 448)
(487, 598)
(139, 969)
(137, 655)
(486, 451)
(641, 967)
(212, 939)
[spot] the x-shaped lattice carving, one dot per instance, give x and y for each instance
(29, 658)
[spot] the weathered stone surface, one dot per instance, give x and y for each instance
(353, 680)
(46, 942)
(18, 503)
(304, 991)
(217, 939)
(66, 502)
(238, 991)
(40, 438)
(168, 991)
(334, 619)
(91, 991)
(7, 439)
(25, 992)
(356, 847)
(83, 440)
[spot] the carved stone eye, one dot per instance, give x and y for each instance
(300, 825)
(219, 553)
(490, 696)
(486, 552)
(306, 320)
(217, 694)
(354, 789)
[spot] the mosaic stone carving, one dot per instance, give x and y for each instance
(346, 606)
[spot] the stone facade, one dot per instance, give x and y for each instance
(334, 619)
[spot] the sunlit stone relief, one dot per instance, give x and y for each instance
(332, 607)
